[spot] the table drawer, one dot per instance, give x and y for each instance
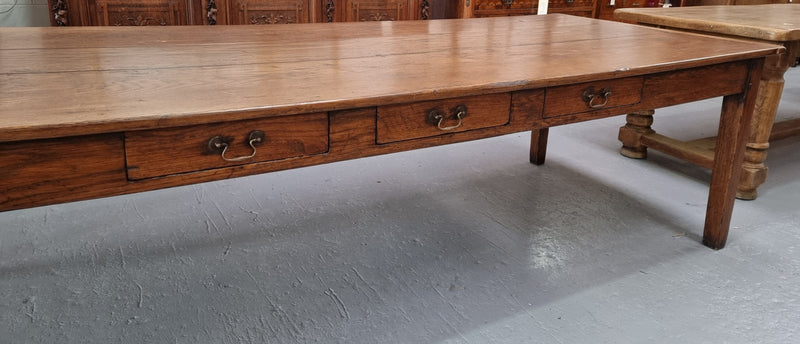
(592, 96)
(432, 118)
(159, 152)
(41, 172)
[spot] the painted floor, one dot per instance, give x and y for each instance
(467, 243)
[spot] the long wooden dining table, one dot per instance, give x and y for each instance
(89, 112)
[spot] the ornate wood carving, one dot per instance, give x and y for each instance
(117, 13)
(140, 20)
(218, 12)
(60, 13)
(363, 11)
(498, 4)
(271, 18)
(211, 12)
(330, 9)
(376, 17)
(260, 13)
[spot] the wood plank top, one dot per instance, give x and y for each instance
(66, 81)
(771, 22)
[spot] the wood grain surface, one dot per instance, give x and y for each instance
(60, 82)
(773, 22)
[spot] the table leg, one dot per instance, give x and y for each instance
(637, 124)
(637, 133)
(769, 96)
(539, 145)
(734, 125)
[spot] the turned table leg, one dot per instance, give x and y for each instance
(638, 133)
(637, 124)
(754, 172)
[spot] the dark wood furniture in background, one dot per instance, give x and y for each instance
(775, 23)
(214, 12)
(494, 8)
(92, 112)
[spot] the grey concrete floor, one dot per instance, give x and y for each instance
(466, 243)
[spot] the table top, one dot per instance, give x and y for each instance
(771, 22)
(67, 81)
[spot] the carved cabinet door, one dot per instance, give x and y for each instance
(489, 8)
(223, 12)
(259, 12)
(140, 13)
(378, 10)
(361, 10)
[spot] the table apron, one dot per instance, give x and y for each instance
(49, 171)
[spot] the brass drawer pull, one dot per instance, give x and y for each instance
(437, 117)
(589, 96)
(219, 144)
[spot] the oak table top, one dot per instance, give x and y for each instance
(83, 80)
(771, 22)
(90, 112)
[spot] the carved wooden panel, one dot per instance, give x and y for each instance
(358, 10)
(224, 12)
(329, 11)
(260, 12)
(141, 13)
(504, 7)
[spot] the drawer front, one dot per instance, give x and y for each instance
(160, 152)
(34, 173)
(592, 96)
(425, 119)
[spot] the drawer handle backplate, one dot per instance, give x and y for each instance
(220, 144)
(589, 96)
(437, 117)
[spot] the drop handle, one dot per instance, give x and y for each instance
(219, 145)
(437, 117)
(590, 97)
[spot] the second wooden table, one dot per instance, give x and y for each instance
(779, 24)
